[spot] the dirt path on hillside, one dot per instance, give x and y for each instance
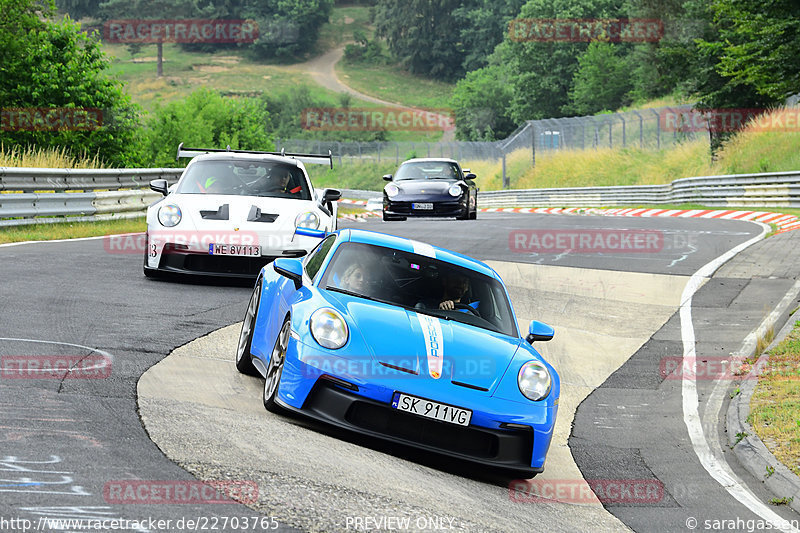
(322, 70)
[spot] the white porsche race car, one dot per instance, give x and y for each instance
(233, 211)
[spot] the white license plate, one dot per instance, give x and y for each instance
(429, 409)
(426, 206)
(239, 250)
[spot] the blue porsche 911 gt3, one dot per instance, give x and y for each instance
(404, 341)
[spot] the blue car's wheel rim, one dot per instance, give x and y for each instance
(247, 326)
(275, 368)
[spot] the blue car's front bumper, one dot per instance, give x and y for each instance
(364, 405)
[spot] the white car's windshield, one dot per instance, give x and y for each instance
(421, 283)
(245, 178)
(430, 170)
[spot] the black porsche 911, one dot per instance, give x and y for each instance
(428, 187)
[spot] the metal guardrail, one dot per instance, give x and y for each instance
(774, 189)
(95, 193)
(63, 179)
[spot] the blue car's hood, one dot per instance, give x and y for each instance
(436, 349)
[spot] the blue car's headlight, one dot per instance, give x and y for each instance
(329, 328)
(169, 215)
(455, 191)
(534, 380)
(391, 190)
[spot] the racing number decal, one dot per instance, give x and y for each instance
(434, 345)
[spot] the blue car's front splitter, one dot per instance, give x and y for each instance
(508, 450)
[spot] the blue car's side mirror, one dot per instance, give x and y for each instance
(290, 268)
(539, 331)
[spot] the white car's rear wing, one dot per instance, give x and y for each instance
(316, 159)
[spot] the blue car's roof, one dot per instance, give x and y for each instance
(409, 245)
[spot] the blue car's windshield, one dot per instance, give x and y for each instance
(422, 283)
(245, 178)
(428, 170)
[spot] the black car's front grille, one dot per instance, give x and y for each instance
(438, 208)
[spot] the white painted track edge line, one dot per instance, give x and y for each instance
(718, 470)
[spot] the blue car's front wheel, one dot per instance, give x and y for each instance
(275, 367)
(244, 361)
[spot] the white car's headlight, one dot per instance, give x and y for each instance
(534, 380)
(329, 328)
(309, 219)
(455, 190)
(391, 190)
(169, 215)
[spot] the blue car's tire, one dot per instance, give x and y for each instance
(244, 361)
(275, 368)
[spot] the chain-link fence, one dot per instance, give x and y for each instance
(651, 129)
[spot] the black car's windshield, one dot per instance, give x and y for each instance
(428, 170)
(245, 178)
(421, 283)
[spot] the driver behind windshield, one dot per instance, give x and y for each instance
(280, 181)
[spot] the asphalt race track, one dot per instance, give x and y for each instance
(69, 444)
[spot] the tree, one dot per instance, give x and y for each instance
(482, 25)
(480, 104)
(423, 35)
(601, 82)
(206, 119)
(150, 9)
(78, 9)
(541, 73)
(761, 45)
(55, 90)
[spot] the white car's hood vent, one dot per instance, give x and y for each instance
(256, 215)
(223, 213)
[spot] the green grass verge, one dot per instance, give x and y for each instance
(393, 84)
(71, 230)
(775, 405)
(184, 72)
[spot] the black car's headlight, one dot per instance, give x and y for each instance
(455, 191)
(391, 190)
(534, 380)
(169, 215)
(329, 328)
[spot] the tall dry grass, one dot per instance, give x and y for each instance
(15, 156)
